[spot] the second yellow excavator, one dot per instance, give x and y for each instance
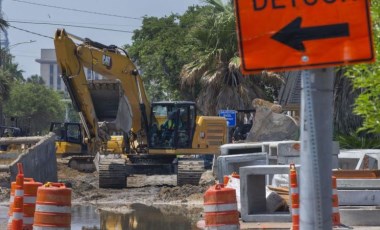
(160, 138)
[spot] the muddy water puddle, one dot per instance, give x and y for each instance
(134, 217)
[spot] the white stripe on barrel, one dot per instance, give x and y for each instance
(220, 207)
(53, 208)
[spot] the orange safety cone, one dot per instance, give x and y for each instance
(294, 197)
(11, 201)
(18, 203)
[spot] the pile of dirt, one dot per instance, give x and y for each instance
(4, 187)
(184, 194)
(143, 189)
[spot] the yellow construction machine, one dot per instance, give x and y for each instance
(160, 138)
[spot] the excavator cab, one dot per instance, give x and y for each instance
(172, 125)
(68, 138)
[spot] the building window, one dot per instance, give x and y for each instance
(58, 80)
(96, 76)
(51, 76)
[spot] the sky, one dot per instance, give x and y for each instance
(41, 18)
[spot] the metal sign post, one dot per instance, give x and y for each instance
(316, 149)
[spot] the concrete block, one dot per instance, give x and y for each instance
(291, 149)
(367, 161)
(253, 181)
(360, 216)
(271, 147)
(240, 148)
(231, 163)
(357, 184)
(359, 197)
(289, 152)
(349, 159)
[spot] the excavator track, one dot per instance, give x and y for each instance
(189, 171)
(112, 173)
(79, 162)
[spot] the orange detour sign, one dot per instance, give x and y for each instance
(302, 34)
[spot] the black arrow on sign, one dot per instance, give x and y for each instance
(293, 35)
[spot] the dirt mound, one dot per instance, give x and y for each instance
(184, 194)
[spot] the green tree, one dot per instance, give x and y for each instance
(41, 104)
(157, 51)
(366, 79)
(36, 79)
(214, 65)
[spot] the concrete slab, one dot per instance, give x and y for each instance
(265, 225)
(360, 216)
(359, 197)
(253, 181)
(357, 184)
(231, 163)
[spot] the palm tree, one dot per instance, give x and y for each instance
(215, 64)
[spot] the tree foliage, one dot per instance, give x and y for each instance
(157, 51)
(194, 56)
(366, 78)
(41, 104)
(214, 67)
(36, 79)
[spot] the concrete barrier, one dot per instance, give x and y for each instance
(359, 197)
(240, 148)
(39, 161)
(357, 184)
(253, 181)
(289, 153)
(360, 215)
(231, 163)
(354, 158)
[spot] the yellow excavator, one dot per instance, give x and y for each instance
(159, 138)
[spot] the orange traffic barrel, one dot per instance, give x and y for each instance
(53, 207)
(226, 179)
(220, 208)
(295, 197)
(30, 194)
(11, 200)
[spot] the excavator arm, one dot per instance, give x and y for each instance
(109, 61)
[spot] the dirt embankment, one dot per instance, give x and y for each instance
(150, 190)
(155, 189)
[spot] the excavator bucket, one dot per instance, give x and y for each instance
(111, 105)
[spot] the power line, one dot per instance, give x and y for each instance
(73, 22)
(69, 25)
(31, 32)
(76, 10)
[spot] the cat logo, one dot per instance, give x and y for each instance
(107, 61)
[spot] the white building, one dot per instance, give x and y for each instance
(50, 72)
